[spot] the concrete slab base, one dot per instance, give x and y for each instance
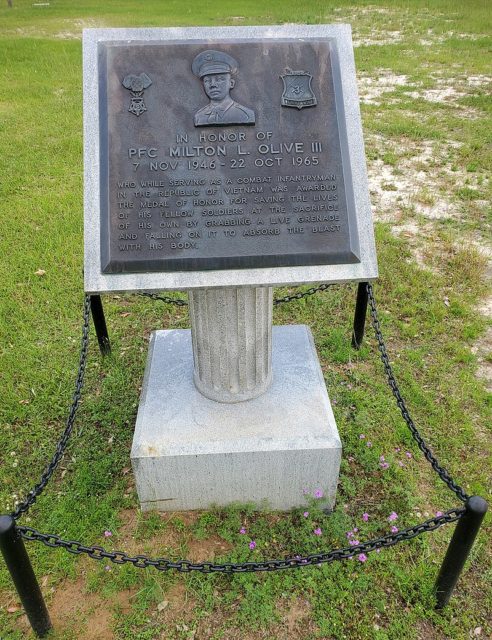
(190, 452)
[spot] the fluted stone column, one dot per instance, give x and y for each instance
(231, 331)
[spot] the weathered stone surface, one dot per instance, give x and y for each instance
(190, 452)
(231, 331)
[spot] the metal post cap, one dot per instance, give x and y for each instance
(477, 504)
(7, 523)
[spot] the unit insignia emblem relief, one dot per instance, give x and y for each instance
(297, 89)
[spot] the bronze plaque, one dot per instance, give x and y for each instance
(223, 155)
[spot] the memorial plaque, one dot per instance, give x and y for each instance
(197, 180)
(221, 154)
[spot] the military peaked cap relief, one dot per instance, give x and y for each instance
(208, 62)
(205, 164)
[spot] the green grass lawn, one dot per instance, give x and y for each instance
(424, 73)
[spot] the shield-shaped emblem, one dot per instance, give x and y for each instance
(297, 90)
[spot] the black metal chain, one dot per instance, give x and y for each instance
(31, 497)
(292, 562)
(302, 294)
(441, 471)
(180, 302)
(162, 564)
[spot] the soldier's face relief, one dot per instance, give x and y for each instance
(217, 85)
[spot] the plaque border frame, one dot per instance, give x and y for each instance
(353, 157)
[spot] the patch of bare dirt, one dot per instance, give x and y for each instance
(379, 39)
(79, 26)
(409, 184)
(372, 89)
(296, 619)
(176, 610)
(448, 91)
(89, 615)
(448, 95)
(204, 550)
(479, 80)
(295, 623)
(169, 540)
(166, 541)
(417, 237)
(423, 179)
(427, 631)
(417, 189)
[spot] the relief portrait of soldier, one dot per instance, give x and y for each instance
(217, 70)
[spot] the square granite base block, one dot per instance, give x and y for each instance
(190, 452)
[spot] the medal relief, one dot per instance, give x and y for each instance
(136, 85)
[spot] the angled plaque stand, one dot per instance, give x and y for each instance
(209, 171)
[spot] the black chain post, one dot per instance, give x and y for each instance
(100, 325)
(20, 568)
(360, 315)
(459, 549)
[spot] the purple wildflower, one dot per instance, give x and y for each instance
(242, 530)
(305, 514)
(365, 517)
(392, 516)
(362, 557)
(317, 532)
(394, 529)
(318, 493)
(107, 534)
(252, 544)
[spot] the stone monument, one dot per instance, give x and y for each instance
(223, 162)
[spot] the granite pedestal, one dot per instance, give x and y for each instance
(190, 452)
